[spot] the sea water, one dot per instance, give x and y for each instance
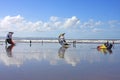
(50, 61)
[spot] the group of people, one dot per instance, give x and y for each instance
(106, 45)
(61, 40)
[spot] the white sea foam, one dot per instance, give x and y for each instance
(68, 40)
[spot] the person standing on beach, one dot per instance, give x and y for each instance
(9, 38)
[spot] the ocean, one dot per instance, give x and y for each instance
(55, 40)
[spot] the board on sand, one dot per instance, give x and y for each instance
(66, 45)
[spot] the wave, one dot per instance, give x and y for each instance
(69, 41)
(48, 40)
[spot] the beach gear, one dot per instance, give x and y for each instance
(102, 50)
(104, 46)
(66, 45)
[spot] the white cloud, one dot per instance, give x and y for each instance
(97, 30)
(71, 22)
(53, 18)
(10, 23)
(19, 23)
(114, 23)
(58, 23)
(91, 24)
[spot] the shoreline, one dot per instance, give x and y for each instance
(67, 40)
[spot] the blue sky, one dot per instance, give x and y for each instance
(79, 19)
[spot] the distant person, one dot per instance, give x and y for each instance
(113, 42)
(42, 41)
(9, 38)
(30, 43)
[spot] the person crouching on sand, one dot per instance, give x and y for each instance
(9, 38)
(61, 39)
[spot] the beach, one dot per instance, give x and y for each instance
(60, 40)
(50, 61)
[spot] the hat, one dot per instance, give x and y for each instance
(63, 34)
(11, 32)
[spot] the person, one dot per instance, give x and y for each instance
(9, 38)
(113, 42)
(110, 46)
(30, 43)
(107, 44)
(61, 39)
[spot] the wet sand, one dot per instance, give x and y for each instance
(50, 61)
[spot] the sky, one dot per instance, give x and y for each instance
(79, 19)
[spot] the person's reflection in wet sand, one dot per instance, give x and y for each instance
(61, 52)
(110, 51)
(105, 51)
(74, 44)
(9, 50)
(30, 43)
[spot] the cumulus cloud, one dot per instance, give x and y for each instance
(114, 23)
(71, 22)
(54, 18)
(97, 30)
(10, 23)
(19, 23)
(90, 24)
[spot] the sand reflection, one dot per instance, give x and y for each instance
(61, 52)
(18, 55)
(9, 50)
